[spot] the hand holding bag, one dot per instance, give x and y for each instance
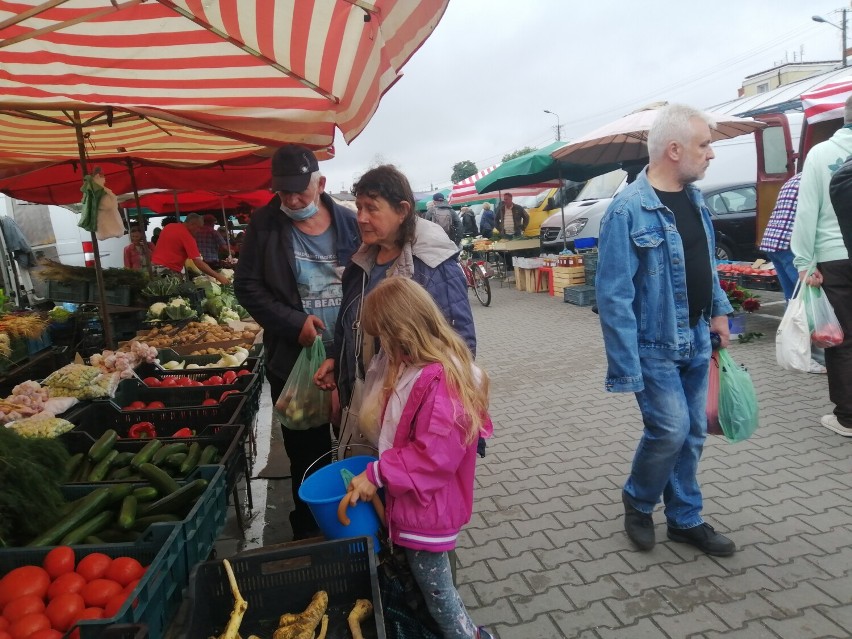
(826, 329)
(738, 412)
(793, 339)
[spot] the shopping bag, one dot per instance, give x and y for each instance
(713, 426)
(825, 329)
(793, 338)
(302, 404)
(738, 412)
(355, 434)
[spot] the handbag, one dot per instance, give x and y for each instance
(793, 338)
(351, 437)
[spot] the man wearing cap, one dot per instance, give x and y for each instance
(176, 245)
(210, 243)
(446, 217)
(289, 279)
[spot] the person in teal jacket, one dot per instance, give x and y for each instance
(817, 244)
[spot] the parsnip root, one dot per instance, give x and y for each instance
(240, 606)
(361, 612)
(302, 625)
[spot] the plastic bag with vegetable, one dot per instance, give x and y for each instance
(825, 328)
(302, 404)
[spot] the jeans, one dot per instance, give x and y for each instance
(788, 276)
(431, 571)
(837, 284)
(673, 407)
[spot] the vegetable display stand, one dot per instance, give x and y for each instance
(156, 597)
(68, 291)
(275, 582)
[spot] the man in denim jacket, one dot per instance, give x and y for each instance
(659, 297)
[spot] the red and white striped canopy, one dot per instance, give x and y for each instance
(827, 101)
(465, 190)
(265, 72)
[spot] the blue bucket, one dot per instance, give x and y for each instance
(322, 492)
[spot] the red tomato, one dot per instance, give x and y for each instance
(137, 405)
(156, 405)
(242, 372)
(25, 626)
(115, 603)
(4, 623)
(4, 634)
(98, 592)
(88, 613)
(26, 580)
(23, 606)
(183, 381)
(72, 582)
(214, 380)
(63, 610)
(59, 561)
(153, 382)
(94, 566)
(132, 585)
(210, 402)
(226, 393)
(168, 381)
(125, 570)
(47, 633)
(229, 377)
(195, 382)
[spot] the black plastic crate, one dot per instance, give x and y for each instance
(582, 295)
(68, 291)
(275, 582)
(116, 295)
(760, 282)
(251, 364)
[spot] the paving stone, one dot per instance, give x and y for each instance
(754, 630)
(529, 607)
(841, 616)
(643, 629)
(509, 586)
(799, 570)
(542, 627)
(809, 625)
(748, 581)
(792, 600)
(737, 614)
(595, 616)
(687, 624)
(649, 603)
(839, 588)
(517, 564)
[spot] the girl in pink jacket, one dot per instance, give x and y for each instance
(432, 408)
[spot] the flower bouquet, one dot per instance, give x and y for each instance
(741, 299)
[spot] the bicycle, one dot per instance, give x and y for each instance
(477, 276)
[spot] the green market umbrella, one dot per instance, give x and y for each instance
(421, 204)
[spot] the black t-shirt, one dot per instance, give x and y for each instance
(696, 256)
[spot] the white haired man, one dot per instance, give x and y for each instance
(659, 299)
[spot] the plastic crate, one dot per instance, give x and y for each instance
(44, 341)
(125, 631)
(581, 295)
(760, 282)
(118, 295)
(251, 364)
(68, 291)
(155, 599)
(19, 353)
(96, 417)
(278, 581)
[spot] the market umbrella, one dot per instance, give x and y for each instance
(624, 140)
(169, 202)
(465, 191)
(827, 100)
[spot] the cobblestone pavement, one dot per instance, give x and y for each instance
(545, 554)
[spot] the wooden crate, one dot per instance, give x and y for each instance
(520, 278)
(564, 276)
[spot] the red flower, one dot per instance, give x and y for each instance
(737, 294)
(750, 305)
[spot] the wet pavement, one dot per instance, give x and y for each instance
(545, 554)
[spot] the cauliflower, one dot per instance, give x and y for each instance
(156, 311)
(178, 301)
(179, 309)
(208, 319)
(228, 315)
(228, 272)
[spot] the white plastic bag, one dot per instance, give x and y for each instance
(793, 339)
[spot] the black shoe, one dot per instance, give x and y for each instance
(705, 539)
(639, 526)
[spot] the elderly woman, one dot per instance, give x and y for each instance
(396, 243)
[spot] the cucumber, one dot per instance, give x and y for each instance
(164, 484)
(209, 453)
(174, 461)
(168, 449)
(145, 493)
(100, 470)
(121, 473)
(192, 458)
(73, 465)
(178, 502)
(93, 504)
(83, 470)
(141, 524)
(144, 456)
(104, 444)
(118, 492)
(93, 539)
(116, 536)
(127, 514)
(123, 459)
(90, 527)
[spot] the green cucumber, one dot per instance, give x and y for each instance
(178, 502)
(118, 492)
(93, 539)
(83, 470)
(121, 473)
(104, 444)
(127, 514)
(93, 504)
(168, 449)
(174, 461)
(89, 527)
(209, 453)
(73, 465)
(144, 456)
(142, 523)
(192, 458)
(145, 493)
(102, 467)
(123, 459)
(159, 479)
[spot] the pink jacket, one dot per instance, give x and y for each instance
(428, 474)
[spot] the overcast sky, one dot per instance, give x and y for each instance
(478, 87)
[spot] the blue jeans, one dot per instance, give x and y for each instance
(431, 571)
(673, 407)
(788, 276)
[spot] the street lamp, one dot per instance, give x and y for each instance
(842, 29)
(559, 126)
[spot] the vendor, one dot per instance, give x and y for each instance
(136, 255)
(177, 244)
(210, 243)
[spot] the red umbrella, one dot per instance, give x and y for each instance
(168, 202)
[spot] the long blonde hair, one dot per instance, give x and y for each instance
(412, 330)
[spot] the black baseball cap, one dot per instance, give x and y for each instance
(292, 166)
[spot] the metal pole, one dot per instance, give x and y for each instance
(140, 219)
(225, 222)
(843, 37)
(561, 206)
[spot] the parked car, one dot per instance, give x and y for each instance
(734, 211)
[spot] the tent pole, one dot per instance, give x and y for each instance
(562, 206)
(99, 273)
(225, 222)
(140, 219)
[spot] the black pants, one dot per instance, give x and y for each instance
(837, 284)
(303, 448)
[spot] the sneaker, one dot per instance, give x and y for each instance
(639, 526)
(817, 368)
(831, 423)
(482, 633)
(705, 539)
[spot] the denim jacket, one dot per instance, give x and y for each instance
(641, 283)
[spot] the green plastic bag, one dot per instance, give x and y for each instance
(302, 404)
(738, 412)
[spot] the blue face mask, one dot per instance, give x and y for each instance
(298, 215)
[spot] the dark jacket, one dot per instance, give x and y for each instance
(469, 223)
(840, 193)
(432, 261)
(486, 223)
(519, 215)
(456, 233)
(265, 278)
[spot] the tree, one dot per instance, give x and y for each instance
(462, 170)
(518, 153)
